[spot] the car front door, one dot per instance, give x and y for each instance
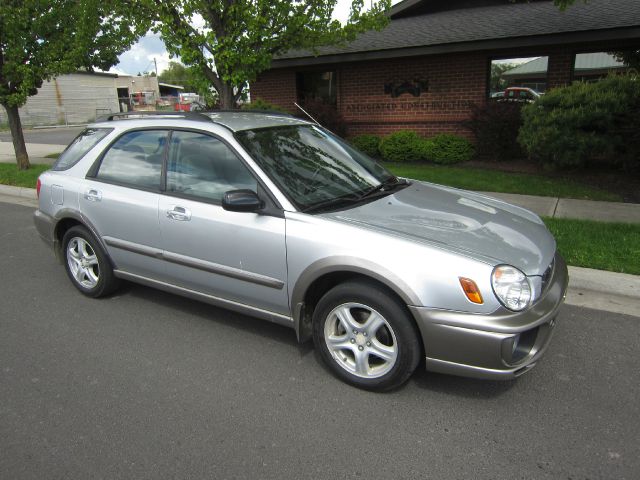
(237, 256)
(120, 200)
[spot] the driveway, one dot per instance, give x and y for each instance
(149, 385)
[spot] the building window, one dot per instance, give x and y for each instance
(317, 86)
(529, 73)
(591, 67)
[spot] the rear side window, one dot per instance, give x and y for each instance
(135, 160)
(79, 147)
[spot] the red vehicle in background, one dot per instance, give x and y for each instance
(188, 102)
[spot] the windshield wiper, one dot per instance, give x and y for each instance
(385, 187)
(388, 185)
(331, 203)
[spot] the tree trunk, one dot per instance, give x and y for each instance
(22, 158)
(227, 98)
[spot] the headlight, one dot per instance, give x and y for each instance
(512, 287)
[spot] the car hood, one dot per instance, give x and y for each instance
(461, 221)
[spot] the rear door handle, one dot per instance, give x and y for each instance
(179, 213)
(93, 195)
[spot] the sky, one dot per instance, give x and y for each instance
(141, 55)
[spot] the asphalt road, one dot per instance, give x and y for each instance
(150, 385)
(54, 136)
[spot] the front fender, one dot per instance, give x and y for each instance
(341, 264)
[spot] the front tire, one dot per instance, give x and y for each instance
(365, 336)
(87, 264)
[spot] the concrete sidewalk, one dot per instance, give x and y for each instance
(555, 207)
(37, 152)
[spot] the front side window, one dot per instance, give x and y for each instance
(311, 166)
(205, 167)
(135, 159)
(79, 147)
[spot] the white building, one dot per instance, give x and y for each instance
(81, 97)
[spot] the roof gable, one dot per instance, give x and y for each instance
(503, 24)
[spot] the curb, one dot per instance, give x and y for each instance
(604, 290)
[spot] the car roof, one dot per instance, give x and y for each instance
(234, 120)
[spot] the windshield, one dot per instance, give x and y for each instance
(312, 167)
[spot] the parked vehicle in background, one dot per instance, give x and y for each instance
(520, 94)
(188, 102)
(278, 218)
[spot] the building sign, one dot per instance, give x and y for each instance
(416, 87)
(423, 106)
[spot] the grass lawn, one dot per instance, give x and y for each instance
(10, 175)
(603, 246)
(53, 155)
(479, 179)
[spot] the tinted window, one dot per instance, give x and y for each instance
(135, 159)
(203, 166)
(79, 147)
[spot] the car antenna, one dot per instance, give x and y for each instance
(307, 114)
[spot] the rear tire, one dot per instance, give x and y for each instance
(365, 336)
(87, 265)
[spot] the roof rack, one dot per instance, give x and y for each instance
(197, 116)
(251, 110)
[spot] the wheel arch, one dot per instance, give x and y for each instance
(66, 219)
(324, 274)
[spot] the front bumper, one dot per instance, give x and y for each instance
(502, 345)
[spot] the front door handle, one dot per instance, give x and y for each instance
(93, 195)
(179, 213)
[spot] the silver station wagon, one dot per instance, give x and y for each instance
(277, 218)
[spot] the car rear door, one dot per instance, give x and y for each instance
(120, 199)
(237, 256)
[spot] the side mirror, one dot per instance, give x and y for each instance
(241, 201)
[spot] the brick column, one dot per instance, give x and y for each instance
(560, 69)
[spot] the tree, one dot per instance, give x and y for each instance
(496, 82)
(238, 38)
(563, 4)
(631, 58)
(178, 74)
(40, 39)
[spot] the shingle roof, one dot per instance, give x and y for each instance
(489, 23)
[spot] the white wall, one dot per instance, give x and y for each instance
(73, 98)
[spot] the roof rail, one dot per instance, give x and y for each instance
(252, 110)
(197, 116)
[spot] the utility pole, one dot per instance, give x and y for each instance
(156, 64)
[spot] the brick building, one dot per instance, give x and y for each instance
(435, 57)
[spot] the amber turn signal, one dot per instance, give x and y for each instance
(471, 290)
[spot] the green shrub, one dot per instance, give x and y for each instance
(367, 143)
(260, 104)
(495, 126)
(447, 149)
(570, 126)
(402, 146)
